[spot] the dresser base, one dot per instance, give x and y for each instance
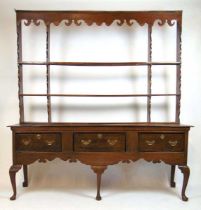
(100, 145)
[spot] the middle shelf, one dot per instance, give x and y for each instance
(101, 95)
(98, 63)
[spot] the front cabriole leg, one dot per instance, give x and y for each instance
(12, 172)
(172, 182)
(186, 172)
(25, 172)
(98, 170)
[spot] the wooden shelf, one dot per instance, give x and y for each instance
(99, 63)
(120, 18)
(100, 95)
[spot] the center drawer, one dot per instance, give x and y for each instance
(40, 142)
(99, 142)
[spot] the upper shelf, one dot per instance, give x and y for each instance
(99, 63)
(99, 17)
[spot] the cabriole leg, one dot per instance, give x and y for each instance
(98, 170)
(172, 182)
(186, 172)
(25, 171)
(12, 172)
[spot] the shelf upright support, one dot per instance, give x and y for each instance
(149, 75)
(20, 71)
(48, 72)
(178, 71)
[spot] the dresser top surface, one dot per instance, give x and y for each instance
(108, 124)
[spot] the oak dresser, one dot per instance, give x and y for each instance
(100, 144)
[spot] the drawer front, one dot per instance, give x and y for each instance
(150, 142)
(100, 142)
(40, 142)
(174, 142)
(159, 142)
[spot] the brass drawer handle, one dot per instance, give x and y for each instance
(100, 136)
(86, 141)
(173, 143)
(50, 142)
(38, 136)
(26, 141)
(112, 142)
(162, 136)
(150, 143)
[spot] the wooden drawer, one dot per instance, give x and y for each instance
(40, 142)
(157, 142)
(100, 142)
(174, 142)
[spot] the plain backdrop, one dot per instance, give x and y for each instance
(139, 185)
